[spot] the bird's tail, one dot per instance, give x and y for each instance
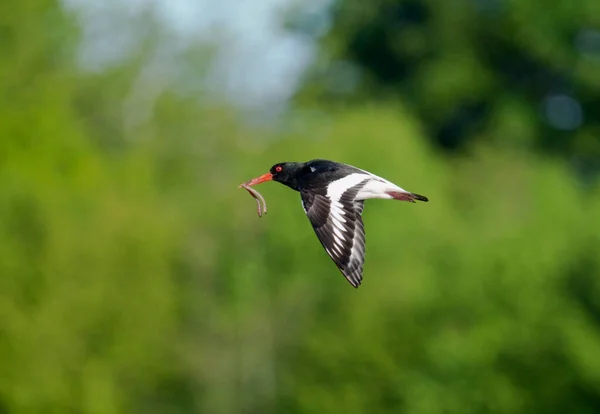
(406, 196)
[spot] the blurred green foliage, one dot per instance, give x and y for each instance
(136, 277)
(518, 73)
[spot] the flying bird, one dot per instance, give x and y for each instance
(333, 196)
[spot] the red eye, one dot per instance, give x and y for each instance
(278, 168)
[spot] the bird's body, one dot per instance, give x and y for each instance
(333, 197)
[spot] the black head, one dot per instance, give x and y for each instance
(287, 173)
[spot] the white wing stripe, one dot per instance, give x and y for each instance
(338, 226)
(337, 239)
(338, 187)
(338, 249)
(337, 213)
(338, 232)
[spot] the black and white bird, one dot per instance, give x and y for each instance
(333, 196)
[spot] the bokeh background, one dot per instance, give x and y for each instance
(136, 278)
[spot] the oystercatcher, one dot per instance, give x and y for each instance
(333, 197)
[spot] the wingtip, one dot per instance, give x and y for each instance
(354, 280)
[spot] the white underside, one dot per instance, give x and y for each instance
(376, 187)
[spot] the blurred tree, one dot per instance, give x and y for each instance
(136, 278)
(518, 73)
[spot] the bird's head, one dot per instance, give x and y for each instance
(284, 172)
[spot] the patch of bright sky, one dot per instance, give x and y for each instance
(257, 63)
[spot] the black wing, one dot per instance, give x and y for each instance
(339, 227)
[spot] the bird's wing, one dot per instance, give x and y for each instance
(337, 221)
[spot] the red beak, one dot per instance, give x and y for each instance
(265, 177)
